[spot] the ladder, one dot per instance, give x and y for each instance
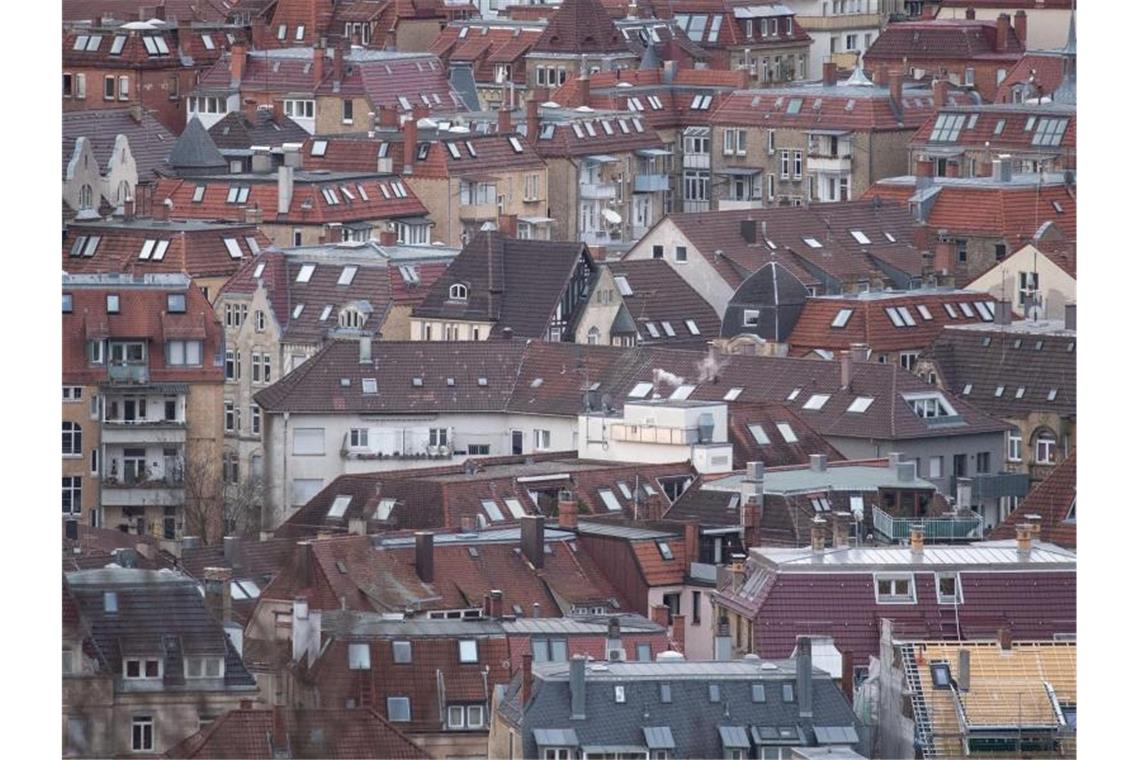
(923, 734)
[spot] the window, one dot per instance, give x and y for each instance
(1045, 447)
(72, 439)
(816, 401)
(608, 498)
(67, 301)
(541, 440)
(947, 127)
(112, 303)
(108, 88)
(894, 588)
(930, 406)
(135, 668)
(468, 650)
(399, 709)
(860, 405)
(255, 419)
(785, 164)
(908, 360)
(203, 667)
(176, 303)
(72, 494)
(786, 431)
(142, 731)
(842, 317)
(681, 254)
(457, 292)
(184, 353)
(358, 438)
(751, 317)
(124, 88)
(982, 462)
(714, 692)
(935, 467)
(758, 692)
(619, 694)
(72, 393)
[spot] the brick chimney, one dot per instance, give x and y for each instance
(237, 64)
(128, 208)
(659, 614)
(532, 119)
(1001, 40)
(692, 541)
(845, 369)
(493, 604)
(940, 88)
(654, 507)
(425, 556)
(830, 74)
(280, 736)
(217, 598)
(527, 677)
(895, 82)
(567, 510)
(847, 677)
(818, 534)
(1021, 27)
(387, 237)
(952, 170)
(318, 65)
(338, 62)
(504, 123)
(943, 256)
(880, 75)
(841, 529)
(533, 538)
(677, 633)
(1024, 540)
(411, 136)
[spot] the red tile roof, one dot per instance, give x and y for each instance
(484, 45)
(731, 31)
(869, 322)
(917, 41)
(310, 732)
(1013, 120)
(479, 155)
(1045, 70)
(150, 142)
(1052, 500)
(581, 27)
(130, 10)
(183, 49)
(742, 417)
(629, 133)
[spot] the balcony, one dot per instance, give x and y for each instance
(653, 434)
(650, 183)
(478, 212)
(147, 431)
(140, 492)
(943, 528)
(853, 21)
(1001, 484)
(132, 374)
(824, 163)
(597, 190)
(696, 161)
(727, 205)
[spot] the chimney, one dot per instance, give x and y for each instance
(943, 257)
(659, 614)
(318, 65)
(495, 604)
(162, 212)
(818, 462)
(1071, 316)
(467, 524)
(668, 72)
(338, 63)
(1003, 315)
(280, 737)
(1024, 540)
(940, 88)
(365, 349)
(388, 117)
(1021, 27)
(841, 530)
(217, 596)
(191, 542)
(847, 677)
(284, 189)
(507, 333)
(818, 534)
(535, 609)
(567, 510)
(262, 162)
(1005, 639)
(424, 556)
(803, 675)
(965, 495)
(923, 167)
(388, 237)
(505, 119)
(654, 507)
(229, 548)
(1001, 41)
(860, 352)
(306, 631)
(237, 65)
(302, 554)
(71, 529)
(895, 82)
(830, 74)
(845, 369)
(259, 34)
(678, 633)
(582, 89)
(357, 526)
(613, 640)
(411, 135)
(533, 535)
(748, 230)
(527, 678)
(578, 687)
(971, 14)
(880, 75)
(917, 539)
(532, 120)
(963, 669)
(128, 208)
(692, 541)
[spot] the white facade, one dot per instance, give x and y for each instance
(695, 603)
(85, 182)
(1025, 275)
(841, 30)
(693, 267)
(659, 432)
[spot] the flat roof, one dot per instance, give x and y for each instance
(498, 535)
(833, 478)
(983, 554)
(622, 531)
(1021, 327)
(676, 670)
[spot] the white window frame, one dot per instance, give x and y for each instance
(894, 597)
(956, 597)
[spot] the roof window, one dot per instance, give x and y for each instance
(692, 326)
(232, 248)
(860, 238)
(860, 405)
(733, 394)
(368, 385)
(641, 390)
(816, 401)
(682, 392)
(759, 434)
(842, 317)
(340, 505)
(346, 275)
(608, 498)
(924, 312)
(306, 272)
(787, 432)
(812, 243)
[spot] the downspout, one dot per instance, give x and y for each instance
(284, 464)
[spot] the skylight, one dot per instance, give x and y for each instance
(652, 328)
(860, 404)
(966, 308)
(254, 246)
(346, 275)
(925, 312)
(326, 312)
(515, 506)
(297, 310)
(967, 388)
(795, 392)
(860, 237)
(199, 194)
(947, 126)
(624, 488)
(889, 237)
(306, 272)
(816, 401)
(608, 498)
(516, 146)
(384, 509)
(733, 394)
(999, 391)
(906, 317)
(257, 270)
(339, 506)
(368, 385)
(665, 549)
(896, 318)
(693, 330)
(232, 247)
(842, 317)
(1020, 392)
(147, 249)
(492, 510)
(319, 147)
(950, 310)
(1052, 396)
(759, 434)
(623, 285)
(641, 390)
(984, 311)
(812, 243)
(682, 392)
(787, 432)
(668, 328)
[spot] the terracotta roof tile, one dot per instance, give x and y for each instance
(942, 40)
(1052, 500)
(581, 27)
(149, 140)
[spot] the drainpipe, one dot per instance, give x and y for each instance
(284, 463)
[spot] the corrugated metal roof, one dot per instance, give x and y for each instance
(855, 478)
(985, 553)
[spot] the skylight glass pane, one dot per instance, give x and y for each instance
(906, 317)
(623, 285)
(339, 505)
(652, 328)
(668, 328)
(306, 272)
(812, 242)
(759, 434)
(368, 384)
(693, 330)
(860, 404)
(147, 249)
(160, 250)
(232, 248)
(925, 312)
(346, 275)
(682, 392)
(950, 310)
(787, 432)
(327, 311)
(966, 308)
(896, 320)
(257, 270)
(795, 392)
(515, 506)
(624, 488)
(384, 509)
(641, 390)
(492, 510)
(608, 498)
(816, 402)
(841, 318)
(860, 237)
(733, 394)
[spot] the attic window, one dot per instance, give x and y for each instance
(492, 510)
(417, 382)
(117, 44)
(692, 326)
(940, 675)
(924, 312)
(999, 391)
(346, 275)
(666, 693)
(577, 130)
(516, 146)
(860, 404)
(515, 507)
(326, 312)
(787, 432)
(714, 692)
(237, 194)
(1020, 392)
(896, 318)
(254, 246)
(860, 237)
(589, 125)
(232, 248)
(967, 388)
(306, 272)
(641, 390)
(950, 310)
(368, 385)
(947, 126)
(758, 692)
(339, 506)
(457, 292)
(363, 194)
(652, 328)
(482, 382)
(637, 127)
(906, 317)
(451, 382)
(281, 31)
(759, 434)
(1057, 207)
(751, 317)
(999, 127)
(608, 498)
(624, 488)
(665, 550)
(821, 504)
(929, 405)
(668, 328)
(842, 317)
(816, 402)
(453, 149)
(619, 694)
(682, 392)
(890, 238)
(623, 285)
(985, 311)
(147, 249)
(547, 132)
(966, 309)
(208, 41)
(733, 394)
(257, 270)
(298, 310)
(607, 127)
(812, 242)
(384, 509)
(110, 602)
(199, 194)
(795, 392)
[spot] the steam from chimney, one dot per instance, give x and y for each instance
(709, 368)
(661, 376)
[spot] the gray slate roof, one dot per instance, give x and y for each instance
(150, 141)
(195, 152)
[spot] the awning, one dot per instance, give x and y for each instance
(536, 219)
(653, 152)
(659, 737)
(948, 150)
(761, 11)
(741, 171)
(611, 216)
(601, 158)
(836, 734)
(734, 737)
(555, 737)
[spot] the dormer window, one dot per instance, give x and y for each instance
(457, 292)
(351, 318)
(204, 667)
(140, 669)
(930, 405)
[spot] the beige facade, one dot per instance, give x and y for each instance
(598, 317)
(520, 193)
(331, 113)
(1008, 281)
(695, 269)
(81, 455)
(448, 329)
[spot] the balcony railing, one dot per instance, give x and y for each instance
(597, 190)
(654, 434)
(128, 373)
(650, 183)
(945, 528)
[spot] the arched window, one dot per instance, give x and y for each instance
(1045, 446)
(72, 438)
(351, 318)
(124, 192)
(593, 336)
(86, 196)
(457, 292)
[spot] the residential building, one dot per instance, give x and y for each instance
(1051, 506)
(311, 733)
(209, 252)
(984, 698)
(500, 287)
(887, 326)
(579, 38)
(109, 156)
(1024, 373)
(152, 64)
(142, 375)
(762, 38)
(1044, 76)
(968, 52)
(716, 253)
(624, 637)
(145, 662)
(974, 223)
(673, 709)
(396, 26)
(495, 49)
(252, 564)
(943, 593)
(1045, 24)
(238, 133)
(962, 141)
(292, 206)
(89, 548)
(281, 307)
(840, 33)
(1039, 279)
(131, 10)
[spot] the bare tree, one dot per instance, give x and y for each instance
(203, 488)
(242, 503)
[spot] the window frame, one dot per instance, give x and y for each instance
(893, 597)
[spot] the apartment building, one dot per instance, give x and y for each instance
(142, 378)
(580, 38)
(841, 30)
(495, 49)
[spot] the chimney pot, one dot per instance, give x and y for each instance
(818, 462)
(1024, 540)
(845, 369)
(1001, 41)
(567, 510)
(830, 74)
(818, 534)
(804, 675)
(533, 538)
(917, 538)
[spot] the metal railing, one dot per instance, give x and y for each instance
(944, 528)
